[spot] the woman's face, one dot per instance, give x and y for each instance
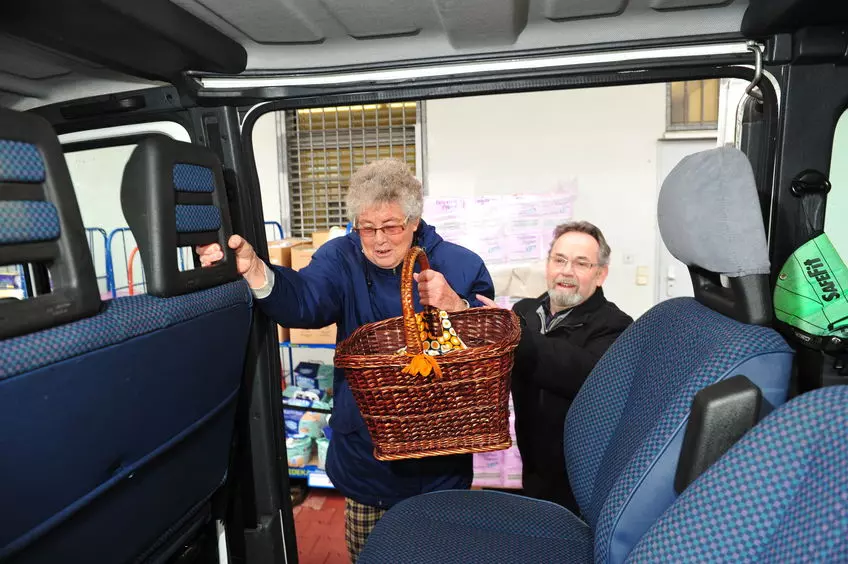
(386, 234)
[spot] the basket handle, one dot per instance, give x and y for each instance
(410, 326)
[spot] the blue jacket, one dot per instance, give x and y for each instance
(341, 286)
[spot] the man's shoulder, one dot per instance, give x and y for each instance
(614, 316)
(526, 305)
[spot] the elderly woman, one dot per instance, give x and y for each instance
(355, 280)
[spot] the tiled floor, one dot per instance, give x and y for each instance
(319, 526)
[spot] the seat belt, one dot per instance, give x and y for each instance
(811, 294)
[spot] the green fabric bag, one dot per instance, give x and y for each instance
(810, 296)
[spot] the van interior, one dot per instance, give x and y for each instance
(145, 401)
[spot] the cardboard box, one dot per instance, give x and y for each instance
(321, 237)
(283, 334)
(324, 336)
(300, 257)
(279, 252)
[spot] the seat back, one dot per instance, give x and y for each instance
(116, 428)
(173, 196)
(779, 495)
(624, 431)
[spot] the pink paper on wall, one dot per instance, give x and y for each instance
(488, 469)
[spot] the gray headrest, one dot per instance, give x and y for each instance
(709, 214)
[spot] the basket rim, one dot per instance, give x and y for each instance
(498, 405)
(482, 352)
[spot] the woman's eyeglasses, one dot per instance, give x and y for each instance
(369, 232)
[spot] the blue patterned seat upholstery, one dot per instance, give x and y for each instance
(779, 495)
(116, 428)
(625, 429)
(478, 526)
(24, 220)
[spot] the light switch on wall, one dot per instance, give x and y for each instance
(641, 275)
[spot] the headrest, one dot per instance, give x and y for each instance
(173, 196)
(710, 220)
(40, 224)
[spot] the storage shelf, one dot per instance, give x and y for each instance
(315, 477)
(304, 408)
(289, 345)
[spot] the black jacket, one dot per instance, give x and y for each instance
(549, 371)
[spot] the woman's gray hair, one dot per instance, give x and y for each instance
(588, 229)
(385, 181)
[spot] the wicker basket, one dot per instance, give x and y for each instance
(460, 406)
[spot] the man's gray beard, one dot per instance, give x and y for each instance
(564, 300)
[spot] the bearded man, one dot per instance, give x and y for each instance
(564, 333)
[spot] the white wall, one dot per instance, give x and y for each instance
(272, 177)
(605, 138)
(97, 175)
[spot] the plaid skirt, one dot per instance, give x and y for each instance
(359, 520)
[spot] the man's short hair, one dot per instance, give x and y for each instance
(588, 229)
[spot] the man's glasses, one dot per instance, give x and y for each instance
(369, 232)
(579, 265)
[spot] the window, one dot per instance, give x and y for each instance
(325, 145)
(837, 200)
(96, 175)
(13, 282)
(693, 104)
(96, 160)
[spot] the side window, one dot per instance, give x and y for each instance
(96, 162)
(837, 201)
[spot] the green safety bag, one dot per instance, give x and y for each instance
(810, 297)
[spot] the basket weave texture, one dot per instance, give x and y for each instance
(416, 405)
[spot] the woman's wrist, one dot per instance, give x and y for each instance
(257, 277)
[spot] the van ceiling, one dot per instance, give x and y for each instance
(292, 34)
(52, 51)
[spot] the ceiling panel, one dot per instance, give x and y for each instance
(26, 61)
(686, 4)
(368, 19)
(570, 9)
(262, 21)
(475, 23)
